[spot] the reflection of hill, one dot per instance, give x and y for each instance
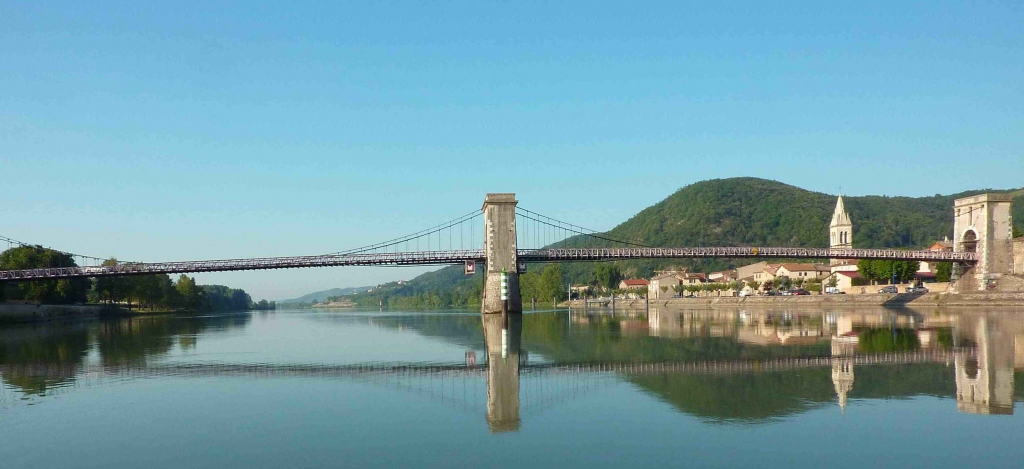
(738, 397)
(37, 357)
(758, 396)
(751, 396)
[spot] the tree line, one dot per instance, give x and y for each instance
(150, 291)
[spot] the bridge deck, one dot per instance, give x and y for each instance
(460, 256)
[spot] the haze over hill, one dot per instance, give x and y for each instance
(322, 295)
(741, 211)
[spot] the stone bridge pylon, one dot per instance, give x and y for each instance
(501, 252)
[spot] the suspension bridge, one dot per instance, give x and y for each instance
(509, 238)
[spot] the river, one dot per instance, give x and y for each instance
(711, 388)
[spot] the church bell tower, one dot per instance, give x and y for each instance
(840, 233)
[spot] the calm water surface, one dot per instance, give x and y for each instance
(867, 388)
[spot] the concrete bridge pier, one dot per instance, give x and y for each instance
(500, 249)
(502, 372)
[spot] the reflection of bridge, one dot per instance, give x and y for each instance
(509, 385)
(511, 236)
(359, 371)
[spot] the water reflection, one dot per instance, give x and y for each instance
(37, 358)
(502, 372)
(721, 366)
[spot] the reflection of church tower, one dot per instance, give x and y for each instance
(502, 372)
(840, 231)
(984, 380)
(842, 367)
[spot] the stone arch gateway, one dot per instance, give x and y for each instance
(983, 224)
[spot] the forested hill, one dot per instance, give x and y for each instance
(733, 212)
(752, 211)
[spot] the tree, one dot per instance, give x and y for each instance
(608, 275)
(150, 290)
(191, 294)
(551, 283)
(63, 291)
(943, 271)
(879, 270)
(754, 284)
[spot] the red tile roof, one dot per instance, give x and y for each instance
(636, 281)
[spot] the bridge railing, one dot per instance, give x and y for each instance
(265, 263)
(459, 256)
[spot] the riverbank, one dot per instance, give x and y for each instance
(27, 313)
(981, 299)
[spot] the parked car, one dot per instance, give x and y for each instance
(745, 293)
(799, 292)
(917, 289)
(889, 289)
(834, 291)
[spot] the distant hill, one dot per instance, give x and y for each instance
(740, 212)
(323, 295)
(752, 211)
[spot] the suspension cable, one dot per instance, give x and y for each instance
(11, 241)
(425, 233)
(579, 230)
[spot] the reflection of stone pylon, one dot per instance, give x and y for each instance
(984, 379)
(502, 372)
(842, 367)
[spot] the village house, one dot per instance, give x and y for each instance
(803, 271)
(767, 274)
(747, 272)
(926, 271)
(633, 284)
(723, 276)
(846, 279)
(694, 278)
(663, 284)
(793, 271)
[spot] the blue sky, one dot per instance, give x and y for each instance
(193, 130)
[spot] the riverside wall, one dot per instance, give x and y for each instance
(979, 300)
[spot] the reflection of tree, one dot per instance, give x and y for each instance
(883, 339)
(39, 357)
(601, 340)
(132, 341)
